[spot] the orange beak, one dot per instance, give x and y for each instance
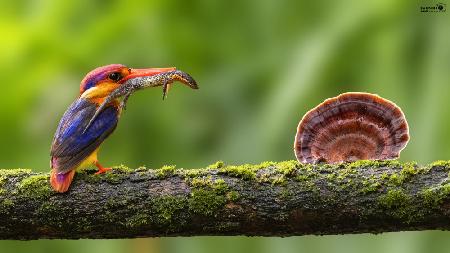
(135, 73)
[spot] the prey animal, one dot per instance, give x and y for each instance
(94, 115)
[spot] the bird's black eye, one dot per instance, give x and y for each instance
(115, 76)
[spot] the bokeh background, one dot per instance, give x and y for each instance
(260, 65)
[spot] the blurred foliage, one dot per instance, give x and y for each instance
(260, 65)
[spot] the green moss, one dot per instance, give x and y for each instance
(111, 177)
(201, 181)
(307, 177)
(342, 175)
(285, 194)
(441, 163)
(349, 170)
(83, 225)
(88, 175)
(216, 165)
(286, 167)
(265, 178)
(429, 197)
(282, 171)
(406, 174)
(116, 203)
(265, 164)
(89, 178)
(395, 179)
(37, 186)
(193, 173)
(371, 187)
(109, 216)
(2, 183)
(6, 205)
(165, 171)
(435, 196)
(166, 207)
(309, 186)
(302, 178)
(142, 168)
(218, 185)
(278, 175)
(13, 172)
(122, 169)
(372, 163)
(399, 205)
(233, 196)
(246, 171)
(137, 220)
(346, 172)
(409, 170)
(249, 172)
(45, 208)
(208, 195)
(393, 198)
(307, 174)
(49, 212)
(205, 202)
(331, 177)
(113, 203)
(279, 180)
(345, 176)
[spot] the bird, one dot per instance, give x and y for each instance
(95, 113)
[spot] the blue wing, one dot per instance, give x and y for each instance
(70, 145)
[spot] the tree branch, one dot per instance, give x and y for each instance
(270, 199)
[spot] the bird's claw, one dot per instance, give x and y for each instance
(101, 171)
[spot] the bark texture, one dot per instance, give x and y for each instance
(268, 199)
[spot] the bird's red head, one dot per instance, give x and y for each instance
(100, 82)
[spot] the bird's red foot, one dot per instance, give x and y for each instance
(101, 169)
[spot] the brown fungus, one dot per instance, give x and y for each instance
(352, 126)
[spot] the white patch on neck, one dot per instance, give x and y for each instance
(88, 91)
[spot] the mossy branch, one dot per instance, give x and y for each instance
(269, 199)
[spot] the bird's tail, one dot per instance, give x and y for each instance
(61, 182)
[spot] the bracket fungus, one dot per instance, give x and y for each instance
(352, 126)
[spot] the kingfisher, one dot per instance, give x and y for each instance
(94, 116)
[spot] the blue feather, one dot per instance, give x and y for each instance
(76, 125)
(70, 145)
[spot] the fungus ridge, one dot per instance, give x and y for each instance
(352, 126)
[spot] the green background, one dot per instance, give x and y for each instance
(260, 66)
